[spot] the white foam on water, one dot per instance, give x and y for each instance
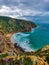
(22, 34)
(22, 40)
(32, 30)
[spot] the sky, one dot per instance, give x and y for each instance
(34, 10)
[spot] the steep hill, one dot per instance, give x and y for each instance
(11, 54)
(8, 24)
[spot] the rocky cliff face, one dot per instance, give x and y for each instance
(14, 55)
(7, 46)
(11, 54)
(8, 25)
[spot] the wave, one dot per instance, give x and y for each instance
(22, 40)
(33, 40)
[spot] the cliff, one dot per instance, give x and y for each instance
(9, 25)
(11, 54)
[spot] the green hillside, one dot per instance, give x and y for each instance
(11, 54)
(8, 24)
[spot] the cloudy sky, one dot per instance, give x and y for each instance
(36, 10)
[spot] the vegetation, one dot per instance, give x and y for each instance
(9, 25)
(2, 56)
(11, 54)
(27, 61)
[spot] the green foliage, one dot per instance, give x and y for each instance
(27, 61)
(47, 59)
(8, 24)
(2, 56)
(0, 63)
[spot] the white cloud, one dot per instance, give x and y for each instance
(46, 0)
(23, 9)
(45, 14)
(17, 12)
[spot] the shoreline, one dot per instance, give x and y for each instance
(26, 49)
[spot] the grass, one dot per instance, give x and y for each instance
(2, 56)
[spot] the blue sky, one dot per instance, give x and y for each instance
(34, 10)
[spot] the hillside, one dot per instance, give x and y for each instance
(11, 54)
(27, 58)
(8, 25)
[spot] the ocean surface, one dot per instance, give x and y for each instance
(36, 39)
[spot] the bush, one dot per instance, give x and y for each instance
(27, 61)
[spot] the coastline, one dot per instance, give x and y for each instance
(12, 52)
(8, 30)
(24, 46)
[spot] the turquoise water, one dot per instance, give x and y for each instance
(37, 38)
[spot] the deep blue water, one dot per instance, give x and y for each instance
(35, 39)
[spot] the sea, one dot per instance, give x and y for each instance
(35, 39)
